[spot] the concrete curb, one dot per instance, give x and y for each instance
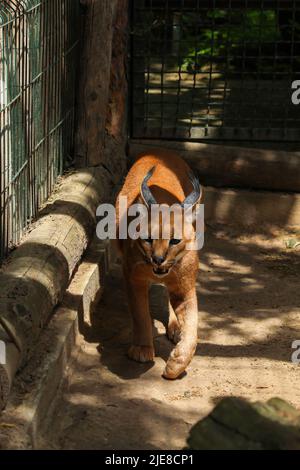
(37, 274)
(256, 210)
(36, 388)
(230, 166)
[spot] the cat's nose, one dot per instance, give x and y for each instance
(158, 260)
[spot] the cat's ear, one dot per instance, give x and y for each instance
(196, 195)
(145, 192)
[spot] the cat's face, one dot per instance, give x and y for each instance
(166, 244)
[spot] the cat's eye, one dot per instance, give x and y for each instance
(148, 240)
(174, 241)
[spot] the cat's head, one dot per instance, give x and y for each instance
(171, 229)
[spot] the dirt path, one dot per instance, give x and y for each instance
(249, 300)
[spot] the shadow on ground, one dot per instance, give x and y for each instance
(242, 279)
(249, 297)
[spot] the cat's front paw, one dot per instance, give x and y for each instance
(179, 359)
(174, 368)
(141, 353)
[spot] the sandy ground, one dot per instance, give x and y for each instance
(249, 300)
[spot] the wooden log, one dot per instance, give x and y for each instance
(36, 275)
(116, 118)
(102, 92)
(94, 87)
(239, 425)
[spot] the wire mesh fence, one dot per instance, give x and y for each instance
(215, 69)
(39, 42)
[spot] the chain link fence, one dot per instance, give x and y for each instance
(39, 42)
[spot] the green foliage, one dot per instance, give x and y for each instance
(225, 33)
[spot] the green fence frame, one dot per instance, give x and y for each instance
(39, 41)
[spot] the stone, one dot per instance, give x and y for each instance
(240, 425)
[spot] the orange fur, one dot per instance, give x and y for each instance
(170, 183)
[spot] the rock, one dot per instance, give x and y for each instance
(240, 425)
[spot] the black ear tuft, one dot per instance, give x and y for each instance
(196, 194)
(145, 191)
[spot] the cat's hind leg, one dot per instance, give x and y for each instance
(142, 348)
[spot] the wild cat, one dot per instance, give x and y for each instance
(162, 178)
